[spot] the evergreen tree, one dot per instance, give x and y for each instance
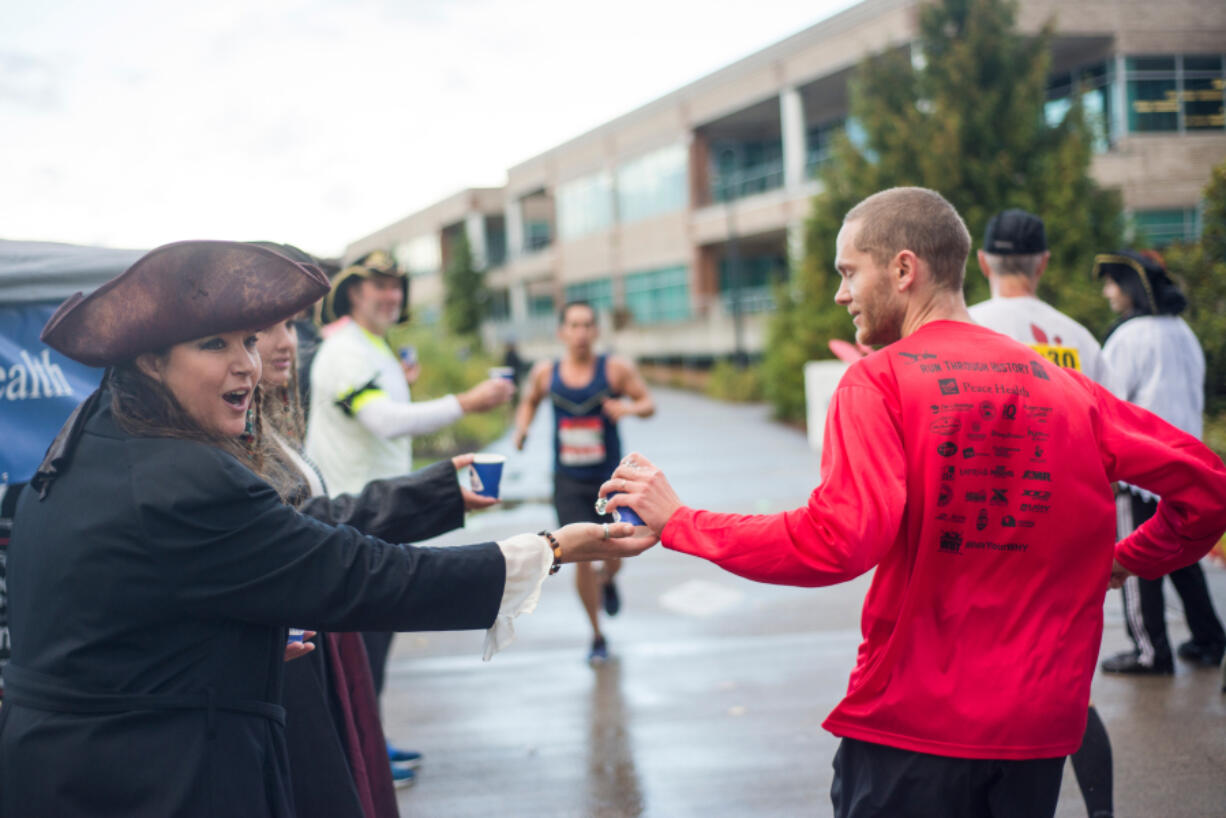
(961, 113)
(464, 294)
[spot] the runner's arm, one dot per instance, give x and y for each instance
(626, 380)
(851, 521)
(532, 397)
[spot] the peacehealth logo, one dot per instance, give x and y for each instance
(33, 378)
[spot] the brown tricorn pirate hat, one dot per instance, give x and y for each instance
(182, 291)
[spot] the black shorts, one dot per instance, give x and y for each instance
(575, 500)
(876, 781)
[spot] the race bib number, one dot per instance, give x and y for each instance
(581, 441)
(1066, 357)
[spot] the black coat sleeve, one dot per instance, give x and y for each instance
(415, 507)
(228, 547)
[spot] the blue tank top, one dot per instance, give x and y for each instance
(586, 445)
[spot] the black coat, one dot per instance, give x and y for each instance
(415, 507)
(149, 592)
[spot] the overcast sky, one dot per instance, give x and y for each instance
(131, 123)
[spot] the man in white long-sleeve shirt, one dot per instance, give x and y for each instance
(1013, 258)
(362, 418)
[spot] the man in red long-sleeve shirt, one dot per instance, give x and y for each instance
(975, 476)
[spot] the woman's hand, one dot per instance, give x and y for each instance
(472, 500)
(639, 485)
(583, 542)
(296, 650)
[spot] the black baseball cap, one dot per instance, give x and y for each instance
(1014, 233)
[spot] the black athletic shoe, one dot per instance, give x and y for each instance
(599, 652)
(1200, 653)
(612, 602)
(1130, 662)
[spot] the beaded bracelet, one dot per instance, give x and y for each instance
(557, 551)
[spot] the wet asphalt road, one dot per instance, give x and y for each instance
(713, 702)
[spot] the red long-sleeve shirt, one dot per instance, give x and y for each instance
(976, 476)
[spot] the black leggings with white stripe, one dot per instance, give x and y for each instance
(1144, 606)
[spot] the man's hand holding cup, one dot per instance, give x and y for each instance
(636, 484)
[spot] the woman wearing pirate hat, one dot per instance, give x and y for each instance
(1156, 362)
(154, 565)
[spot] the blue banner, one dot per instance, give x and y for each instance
(39, 388)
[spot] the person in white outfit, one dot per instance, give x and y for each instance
(1156, 362)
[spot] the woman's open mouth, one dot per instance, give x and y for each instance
(238, 398)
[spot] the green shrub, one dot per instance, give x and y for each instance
(729, 382)
(1215, 433)
(450, 365)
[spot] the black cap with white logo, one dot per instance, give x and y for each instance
(1014, 233)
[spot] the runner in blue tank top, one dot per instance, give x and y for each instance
(590, 394)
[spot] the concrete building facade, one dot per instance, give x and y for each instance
(675, 219)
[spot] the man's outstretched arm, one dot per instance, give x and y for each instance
(849, 523)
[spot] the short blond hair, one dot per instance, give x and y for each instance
(915, 219)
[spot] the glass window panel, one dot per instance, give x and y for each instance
(1054, 110)
(652, 184)
(820, 144)
(1161, 227)
(744, 168)
(499, 305)
(540, 305)
(598, 293)
(658, 296)
(585, 205)
(1096, 104)
(758, 275)
(495, 242)
(1150, 63)
(1153, 105)
(420, 256)
(536, 235)
(1202, 104)
(1203, 62)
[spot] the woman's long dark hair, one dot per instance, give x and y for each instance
(1155, 294)
(143, 407)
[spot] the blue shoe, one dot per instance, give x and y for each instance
(599, 654)
(403, 776)
(612, 602)
(410, 758)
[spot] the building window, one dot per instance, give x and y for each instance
(1163, 227)
(652, 184)
(745, 168)
(585, 205)
(495, 241)
(1203, 86)
(537, 235)
(499, 306)
(658, 296)
(758, 275)
(598, 293)
(420, 256)
(1175, 93)
(539, 305)
(1092, 84)
(820, 145)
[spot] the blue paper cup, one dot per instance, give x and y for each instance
(295, 635)
(625, 514)
(487, 474)
(504, 372)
